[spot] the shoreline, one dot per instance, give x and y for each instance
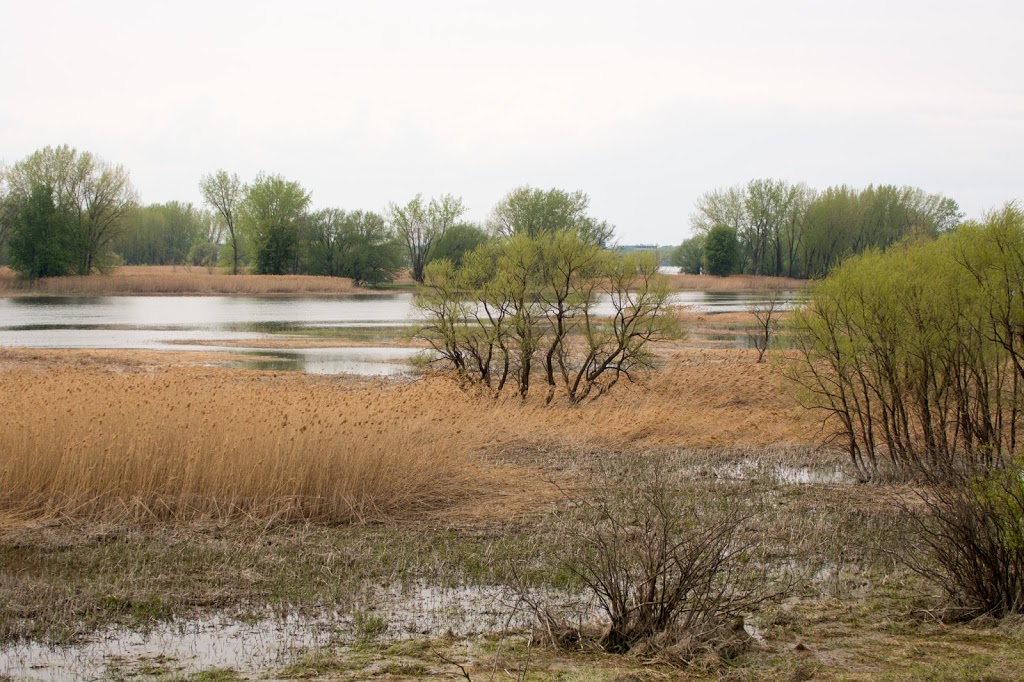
(167, 280)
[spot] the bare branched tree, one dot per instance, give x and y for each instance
(555, 303)
(766, 311)
(224, 192)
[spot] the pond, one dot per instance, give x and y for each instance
(262, 642)
(199, 322)
(194, 323)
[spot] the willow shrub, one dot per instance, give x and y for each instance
(916, 355)
(555, 306)
(916, 358)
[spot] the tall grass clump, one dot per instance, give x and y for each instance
(88, 443)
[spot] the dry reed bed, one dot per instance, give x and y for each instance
(735, 283)
(167, 280)
(699, 398)
(138, 442)
(84, 442)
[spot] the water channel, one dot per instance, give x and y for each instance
(198, 323)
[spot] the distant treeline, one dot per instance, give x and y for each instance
(63, 211)
(772, 227)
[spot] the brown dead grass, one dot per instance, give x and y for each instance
(175, 280)
(700, 398)
(186, 443)
(189, 280)
(735, 283)
(90, 437)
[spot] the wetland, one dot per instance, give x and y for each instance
(243, 557)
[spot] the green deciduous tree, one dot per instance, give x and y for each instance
(95, 195)
(689, 256)
(916, 358)
(224, 192)
(356, 244)
(791, 229)
(419, 224)
(554, 304)
(531, 211)
(721, 251)
(457, 241)
(916, 354)
(768, 205)
(164, 234)
(270, 215)
(43, 240)
(794, 229)
(7, 207)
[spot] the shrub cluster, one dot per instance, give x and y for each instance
(916, 355)
(555, 303)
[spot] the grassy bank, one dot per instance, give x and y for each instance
(159, 280)
(153, 280)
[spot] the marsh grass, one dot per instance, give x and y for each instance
(136, 442)
(735, 283)
(96, 444)
(87, 443)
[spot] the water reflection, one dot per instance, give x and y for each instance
(204, 311)
(175, 647)
(366, 361)
(193, 322)
(258, 645)
(736, 301)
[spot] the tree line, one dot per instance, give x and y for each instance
(268, 225)
(64, 212)
(773, 227)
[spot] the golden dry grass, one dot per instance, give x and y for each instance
(735, 283)
(700, 398)
(94, 438)
(86, 442)
(174, 280)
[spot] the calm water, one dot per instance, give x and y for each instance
(186, 322)
(254, 647)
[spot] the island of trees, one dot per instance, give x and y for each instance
(773, 227)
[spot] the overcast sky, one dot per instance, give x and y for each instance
(644, 105)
